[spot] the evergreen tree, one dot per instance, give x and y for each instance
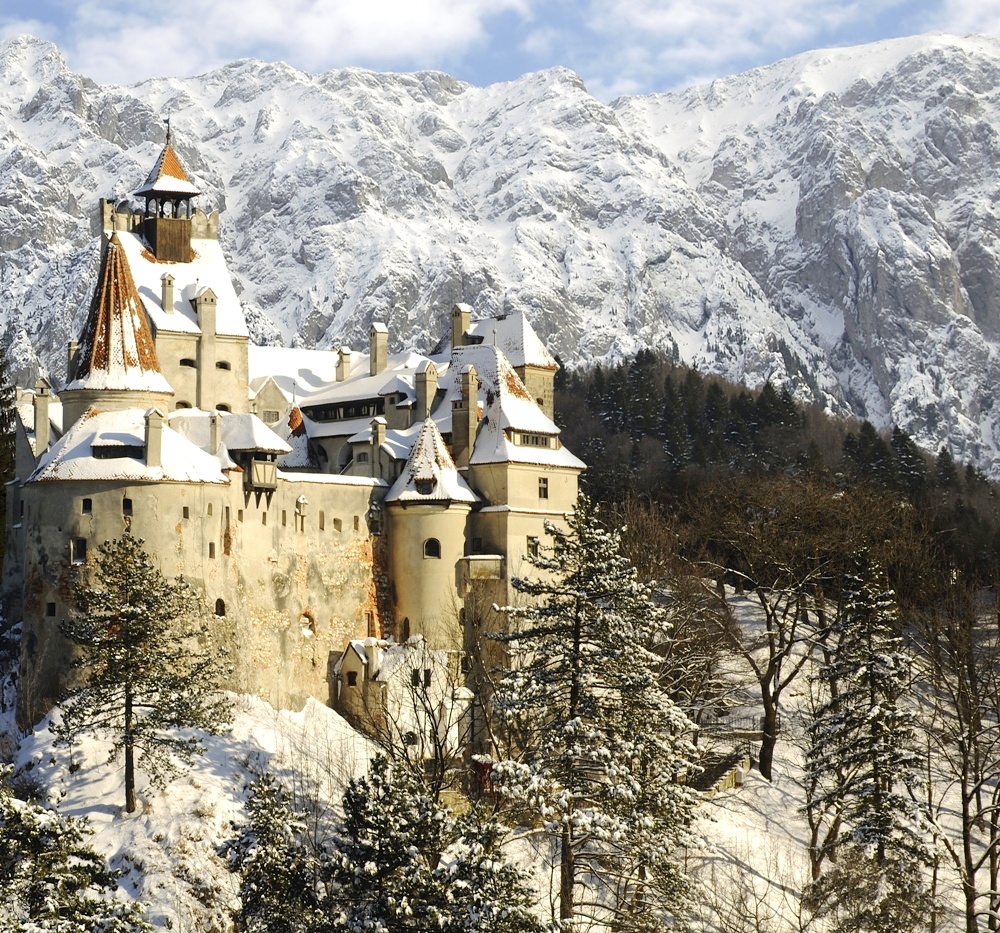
(146, 668)
(398, 862)
(51, 881)
(861, 762)
(596, 746)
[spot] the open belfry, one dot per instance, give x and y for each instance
(329, 506)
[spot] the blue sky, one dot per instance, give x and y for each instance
(616, 46)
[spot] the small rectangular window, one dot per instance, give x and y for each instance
(88, 507)
(415, 678)
(270, 416)
(263, 518)
(322, 521)
(239, 515)
(126, 506)
(211, 550)
(352, 678)
(370, 623)
(362, 457)
(20, 507)
(338, 525)
(186, 512)
(427, 676)
(209, 508)
(543, 487)
(357, 522)
(284, 518)
(227, 514)
(78, 551)
(477, 545)
(532, 546)
(50, 609)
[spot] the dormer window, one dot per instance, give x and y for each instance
(425, 486)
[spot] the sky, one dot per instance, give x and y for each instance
(616, 46)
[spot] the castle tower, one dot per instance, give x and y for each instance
(167, 219)
(116, 365)
(429, 506)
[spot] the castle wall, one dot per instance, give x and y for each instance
(286, 583)
(217, 386)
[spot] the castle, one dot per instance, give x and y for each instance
(326, 504)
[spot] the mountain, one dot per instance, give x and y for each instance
(826, 223)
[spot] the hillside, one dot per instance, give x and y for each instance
(826, 223)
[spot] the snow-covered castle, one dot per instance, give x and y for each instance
(324, 502)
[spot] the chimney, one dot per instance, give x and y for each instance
(378, 439)
(167, 292)
(461, 319)
(204, 305)
(154, 437)
(379, 336)
(426, 385)
(465, 417)
(72, 351)
(214, 432)
(371, 653)
(41, 405)
(343, 363)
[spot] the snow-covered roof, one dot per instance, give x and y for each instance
(430, 474)
(507, 407)
(515, 336)
(25, 408)
(295, 371)
(292, 430)
(360, 384)
(116, 350)
(207, 269)
(72, 456)
(237, 431)
(167, 177)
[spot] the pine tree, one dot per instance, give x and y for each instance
(596, 747)
(398, 862)
(146, 668)
(51, 881)
(861, 761)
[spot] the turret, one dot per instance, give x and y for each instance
(167, 219)
(465, 417)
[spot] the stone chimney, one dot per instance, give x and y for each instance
(379, 352)
(167, 292)
(371, 653)
(343, 363)
(426, 386)
(461, 320)
(154, 437)
(214, 432)
(72, 351)
(205, 306)
(41, 404)
(378, 439)
(465, 417)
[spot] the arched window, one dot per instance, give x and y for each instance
(222, 364)
(181, 405)
(405, 629)
(220, 607)
(191, 364)
(222, 407)
(432, 548)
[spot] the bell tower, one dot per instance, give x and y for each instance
(166, 223)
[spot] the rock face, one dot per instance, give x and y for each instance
(826, 223)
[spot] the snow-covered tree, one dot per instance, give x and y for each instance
(596, 750)
(51, 881)
(862, 762)
(399, 861)
(147, 673)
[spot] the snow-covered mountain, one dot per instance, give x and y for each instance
(827, 222)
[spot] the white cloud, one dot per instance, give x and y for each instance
(964, 16)
(124, 42)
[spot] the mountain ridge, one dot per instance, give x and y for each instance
(838, 238)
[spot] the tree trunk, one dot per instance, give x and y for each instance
(567, 871)
(129, 755)
(768, 736)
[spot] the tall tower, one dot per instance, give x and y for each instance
(167, 220)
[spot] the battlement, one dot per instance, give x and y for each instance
(125, 218)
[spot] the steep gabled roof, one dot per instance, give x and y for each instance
(167, 177)
(515, 336)
(116, 349)
(430, 474)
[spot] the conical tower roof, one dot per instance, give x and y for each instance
(168, 178)
(116, 349)
(430, 474)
